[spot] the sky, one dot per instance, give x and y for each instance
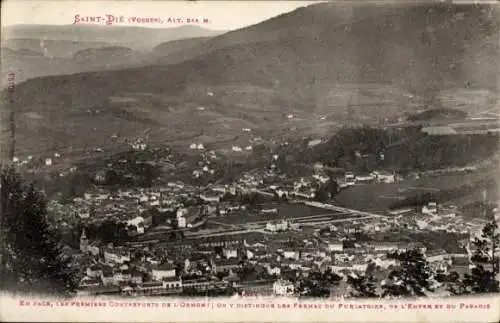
(222, 15)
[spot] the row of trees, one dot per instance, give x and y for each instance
(364, 148)
(442, 195)
(326, 191)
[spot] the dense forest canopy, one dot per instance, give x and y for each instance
(366, 148)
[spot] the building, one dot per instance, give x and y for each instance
(203, 284)
(230, 253)
(136, 277)
(401, 211)
(269, 211)
(166, 270)
(181, 212)
(290, 263)
(87, 282)
(461, 265)
(277, 226)
(211, 196)
(273, 269)
(94, 271)
(137, 222)
(349, 178)
(94, 250)
(108, 277)
(283, 288)
(383, 246)
(100, 177)
(172, 282)
(151, 286)
(291, 254)
(384, 177)
(368, 178)
(335, 246)
(116, 255)
(135, 230)
(430, 209)
(84, 242)
(181, 222)
(220, 241)
(437, 255)
(225, 265)
(257, 288)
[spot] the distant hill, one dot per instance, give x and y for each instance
(54, 48)
(104, 53)
(305, 72)
(134, 37)
(176, 46)
(8, 52)
(79, 48)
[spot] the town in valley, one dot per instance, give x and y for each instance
(257, 162)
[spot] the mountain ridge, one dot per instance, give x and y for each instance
(409, 54)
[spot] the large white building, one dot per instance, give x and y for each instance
(384, 177)
(116, 255)
(163, 271)
(138, 223)
(181, 222)
(349, 178)
(430, 209)
(335, 245)
(277, 226)
(283, 288)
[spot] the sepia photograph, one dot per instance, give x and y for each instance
(220, 160)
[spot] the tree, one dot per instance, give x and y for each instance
(481, 279)
(32, 259)
(333, 187)
(322, 194)
(317, 284)
(364, 285)
(410, 278)
(452, 282)
(485, 246)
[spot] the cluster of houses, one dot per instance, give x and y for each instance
(248, 262)
(130, 206)
(432, 216)
(239, 149)
(277, 226)
(373, 177)
(215, 263)
(139, 145)
(30, 160)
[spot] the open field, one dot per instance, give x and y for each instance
(298, 213)
(469, 126)
(285, 211)
(379, 196)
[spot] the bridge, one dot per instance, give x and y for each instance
(342, 209)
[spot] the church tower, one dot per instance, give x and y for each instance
(84, 242)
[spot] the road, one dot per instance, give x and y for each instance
(244, 228)
(343, 209)
(357, 215)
